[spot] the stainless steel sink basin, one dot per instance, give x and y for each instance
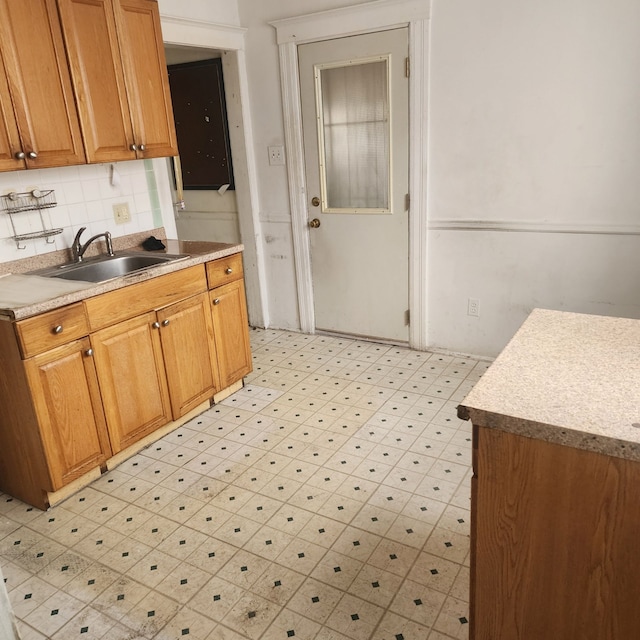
(105, 267)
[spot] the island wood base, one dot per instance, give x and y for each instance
(555, 541)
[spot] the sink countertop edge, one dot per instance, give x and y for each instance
(49, 298)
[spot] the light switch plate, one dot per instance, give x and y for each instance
(121, 213)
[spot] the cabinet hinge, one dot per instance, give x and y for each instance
(407, 67)
(407, 201)
(407, 317)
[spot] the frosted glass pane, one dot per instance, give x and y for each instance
(355, 132)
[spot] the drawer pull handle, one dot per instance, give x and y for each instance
(89, 352)
(228, 271)
(156, 325)
(216, 301)
(57, 329)
(165, 323)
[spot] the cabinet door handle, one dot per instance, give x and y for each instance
(57, 329)
(228, 271)
(19, 155)
(142, 147)
(88, 352)
(156, 325)
(134, 147)
(216, 301)
(165, 323)
(32, 155)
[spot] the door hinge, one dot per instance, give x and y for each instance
(407, 317)
(407, 67)
(407, 201)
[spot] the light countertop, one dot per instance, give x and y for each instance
(23, 295)
(568, 378)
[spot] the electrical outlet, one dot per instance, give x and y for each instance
(473, 307)
(121, 213)
(276, 155)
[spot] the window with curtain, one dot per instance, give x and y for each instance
(354, 136)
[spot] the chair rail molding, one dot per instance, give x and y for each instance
(518, 226)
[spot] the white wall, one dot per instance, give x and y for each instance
(533, 122)
(534, 129)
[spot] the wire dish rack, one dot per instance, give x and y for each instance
(14, 203)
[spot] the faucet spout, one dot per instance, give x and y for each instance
(76, 246)
(78, 250)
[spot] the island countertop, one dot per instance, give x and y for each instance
(567, 378)
(23, 294)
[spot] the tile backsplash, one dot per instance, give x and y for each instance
(85, 196)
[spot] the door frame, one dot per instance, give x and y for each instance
(231, 42)
(379, 15)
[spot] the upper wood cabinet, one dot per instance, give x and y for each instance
(117, 62)
(38, 119)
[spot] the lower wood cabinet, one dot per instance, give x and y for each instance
(155, 368)
(186, 333)
(230, 328)
(554, 541)
(86, 381)
(132, 379)
(66, 398)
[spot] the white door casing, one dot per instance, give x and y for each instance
(354, 94)
(230, 40)
(363, 18)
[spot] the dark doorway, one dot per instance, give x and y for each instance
(199, 108)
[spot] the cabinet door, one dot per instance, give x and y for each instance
(9, 138)
(39, 83)
(90, 34)
(231, 331)
(189, 353)
(128, 359)
(67, 400)
(146, 77)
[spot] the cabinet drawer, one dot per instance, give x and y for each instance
(113, 307)
(51, 329)
(224, 270)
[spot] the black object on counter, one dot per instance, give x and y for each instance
(152, 244)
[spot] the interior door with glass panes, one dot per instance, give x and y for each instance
(354, 94)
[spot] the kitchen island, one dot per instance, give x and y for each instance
(555, 536)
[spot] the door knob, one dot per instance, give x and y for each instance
(315, 223)
(315, 201)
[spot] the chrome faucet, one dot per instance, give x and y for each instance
(78, 249)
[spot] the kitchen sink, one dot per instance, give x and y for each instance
(107, 267)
